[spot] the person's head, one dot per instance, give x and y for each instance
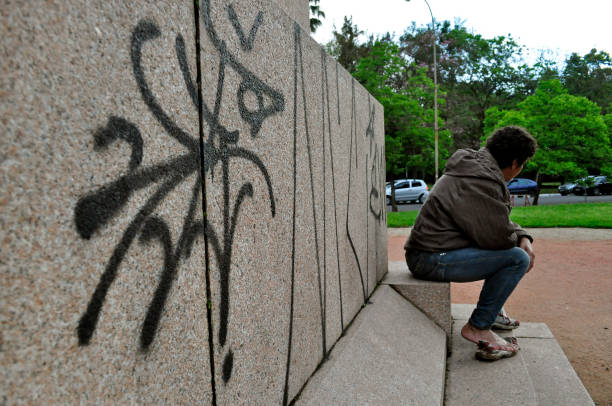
(511, 146)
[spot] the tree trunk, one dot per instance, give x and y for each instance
(537, 193)
(393, 204)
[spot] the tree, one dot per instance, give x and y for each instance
(345, 46)
(475, 72)
(573, 139)
(406, 94)
(590, 76)
(316, 14)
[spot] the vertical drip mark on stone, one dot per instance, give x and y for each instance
(333, 179)
(367, 230)
(228, 364)
(296, 38)
(337, 92)
(348, 197)
(312, 193)
(381, 181)
(198, 100)
(323, 71)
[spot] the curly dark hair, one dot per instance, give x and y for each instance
(509, 143)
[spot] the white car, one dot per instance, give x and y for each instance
(408, 190)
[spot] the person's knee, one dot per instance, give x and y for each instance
(521, 258)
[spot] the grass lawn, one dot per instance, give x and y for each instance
(588, 215)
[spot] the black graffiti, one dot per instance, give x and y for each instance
(298, 69)
(337, 91)
(246, 43)
(96, 209)
(375, 196)
(227, 149)
(367, 229)
(333, 177)
(348, 195)
(370, 129)
(119, 128)
(325, 108)
(292, 292)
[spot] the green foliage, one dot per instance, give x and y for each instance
(588, 215)
(590, 76)
(572, 136)
(406, 94)
(483, 83)
(345, 46)
(476, 73)
(316, 14)
(608, 120)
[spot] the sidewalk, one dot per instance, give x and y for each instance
(569, 290)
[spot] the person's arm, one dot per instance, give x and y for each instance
(525, 244)
(520, 233)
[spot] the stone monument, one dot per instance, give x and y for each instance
(192, 202)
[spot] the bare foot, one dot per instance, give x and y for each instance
(475, 335)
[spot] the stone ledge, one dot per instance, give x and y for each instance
(553, 377)
(546, 373)
(432, 298)
(391, 354)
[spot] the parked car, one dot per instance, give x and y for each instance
(567, 188)
(599, 186)
(408, 190)
(522, 186)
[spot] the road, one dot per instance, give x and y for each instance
(545, 199)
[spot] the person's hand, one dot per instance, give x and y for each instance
(528, 248)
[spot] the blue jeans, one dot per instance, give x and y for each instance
(501, 270)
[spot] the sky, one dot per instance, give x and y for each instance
(562, 26)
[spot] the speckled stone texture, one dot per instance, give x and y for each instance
(432, 298)
(99, 166)
(107, 243)
(295, 173)
(392, 354)
(298, 10)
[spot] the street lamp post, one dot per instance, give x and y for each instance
(435, 72)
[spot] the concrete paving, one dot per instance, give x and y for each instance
(391, 354)
(475, 383)
(540, 374)
(554, 379)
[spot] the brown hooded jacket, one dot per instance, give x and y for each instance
(469, 206)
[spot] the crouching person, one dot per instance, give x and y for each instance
(463, 233)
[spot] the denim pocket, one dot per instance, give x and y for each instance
(424, 265)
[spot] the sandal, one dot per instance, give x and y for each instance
(493, 352)
(503, 322)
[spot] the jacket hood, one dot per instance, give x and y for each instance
(475, 164)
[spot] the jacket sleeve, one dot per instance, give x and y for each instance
(520, 233)
(482, 213)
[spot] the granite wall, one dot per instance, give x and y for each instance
(192, 203)
(298, 10)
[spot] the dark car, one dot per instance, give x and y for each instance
(522, 186)
(599, 186)
(567, 188)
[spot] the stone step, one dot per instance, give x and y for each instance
(553, 377)
(391, 354)
(539, 374)
(432, 298)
